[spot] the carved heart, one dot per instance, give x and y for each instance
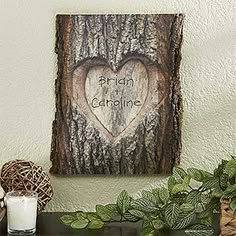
(116, 98)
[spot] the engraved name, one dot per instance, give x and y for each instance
(121, 102)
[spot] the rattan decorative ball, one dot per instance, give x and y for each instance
(25, 175)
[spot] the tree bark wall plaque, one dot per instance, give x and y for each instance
(118, 98)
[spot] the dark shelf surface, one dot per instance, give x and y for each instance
(49, 224)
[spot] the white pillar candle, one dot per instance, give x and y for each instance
(21, 211)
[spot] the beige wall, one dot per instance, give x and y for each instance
(28, 70)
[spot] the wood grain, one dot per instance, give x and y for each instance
(117, 98)
(147, 140)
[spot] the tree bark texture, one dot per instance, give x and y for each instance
(118, 96)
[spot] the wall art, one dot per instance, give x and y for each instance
(118, 97)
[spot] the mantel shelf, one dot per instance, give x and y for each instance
(49, 225)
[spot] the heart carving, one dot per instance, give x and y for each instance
(116, 98)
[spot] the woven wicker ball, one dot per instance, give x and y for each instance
(25, 175)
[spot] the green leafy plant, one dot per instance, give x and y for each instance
(187, 203)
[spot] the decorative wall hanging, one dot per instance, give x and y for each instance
(118, 99)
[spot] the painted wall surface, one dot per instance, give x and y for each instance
(28, 70)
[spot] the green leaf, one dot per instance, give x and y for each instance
(149, 196)
(147, 224)
(199, 230)
(92, 216)
(106, 213)
(123, 202)
(211, 183)
(128, 216)
(230, 191)
(80, 223)
(179, 173)
(214, 204)
(181, 187)
(230, 168)
(148, 232)
(206, 198)
(206, 175)
(205, 213)
(220, 169)
(184, 220)
(137, 213)
(207, 220)
(143, 205)
(224, 179)
(95, 224)
(199, 207)
(178, 188)
(81, 214)
(171, 213)
(217, 192)
(207, 209)
(179, 198)
(164, 195)
(193, 197)
(67, 219)
(158, 224)
(112, 208)
(155, 193)
(199, 175)
(171, 183)
(195, 174)
(186, 181)
(187, 207)
(233, 205)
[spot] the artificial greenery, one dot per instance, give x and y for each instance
(188, 202)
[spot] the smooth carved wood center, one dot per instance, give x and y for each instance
(117, 98)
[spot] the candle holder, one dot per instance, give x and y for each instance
(21, 212)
